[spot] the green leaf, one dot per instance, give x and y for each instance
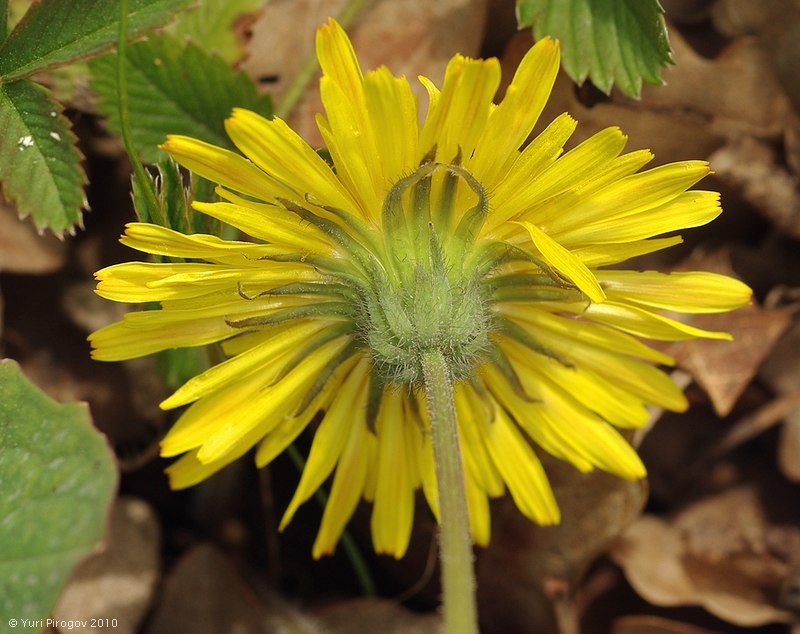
(3, 20)
(39, 163)
(606, 40)
(56, 32)
(211, 24)
(58, 478)
(174, 90)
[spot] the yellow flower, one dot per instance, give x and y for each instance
(453, 235)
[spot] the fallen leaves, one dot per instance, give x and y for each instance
(119, 582)
(716, 553)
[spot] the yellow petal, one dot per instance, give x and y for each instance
(521, 469)
(462, 109)
(692, 292)
(392, 109)
(521, 191)
(471, 413)
(600, 395)
(347, 488)
(271, 405)
(480, 523)
(595, 255)
(162, 241)
(574, 338)
(537, 156)
(565, 262)
(690, 209)
(265, 358)
(266, 222)
(282, 153)
(393, 510)
(357, 159)
(512, 121)
(147, 332)
(331, 435)
(643, 323)
(284, 434)
(628, 196)
(208, 415)
(588, 348)
(223, 166)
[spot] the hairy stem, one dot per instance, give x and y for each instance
(455, 542)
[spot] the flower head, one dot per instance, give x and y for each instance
(452, 235)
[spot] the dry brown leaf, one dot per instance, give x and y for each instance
(204, 595)
(717, 553)
(751, 168)
(737, 91)
(654, 625)
(527, 577)
(411, 37)
(777, 24)
(724, 369)
(24, 250)
(358, 616)
(686, 11)
(118, 582)
(781, 372)
(789, 447)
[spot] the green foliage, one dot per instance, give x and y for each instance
(174, 90)
(58, 479)
(39, 163)
(622, 41)
(210, 25)
(3, 19)
(56, 32)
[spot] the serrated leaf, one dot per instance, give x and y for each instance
(210, 25)
(55, 32)
(622, 41)
(39, 164)
(57, 477)
(174, 90)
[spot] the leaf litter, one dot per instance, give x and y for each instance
(715, 547)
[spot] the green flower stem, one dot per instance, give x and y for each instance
(155, 211)
(310, 64)
(455, 542)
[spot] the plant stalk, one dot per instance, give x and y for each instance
(455, 541)
(155, 212)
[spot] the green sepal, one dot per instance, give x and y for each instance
(325, 289)
(519, 334)
(325, 374)
(536, 294)
(322, 309)
(500, 361)
(374, 395)
(332, 230)
(327, 334)
(471, 222)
